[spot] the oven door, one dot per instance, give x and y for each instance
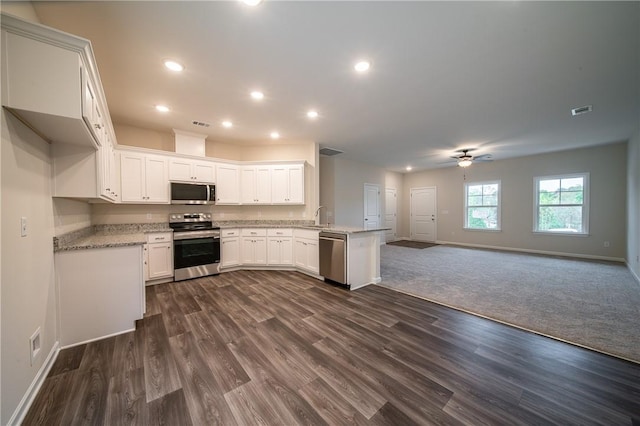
(191, 252)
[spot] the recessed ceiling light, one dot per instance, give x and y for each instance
(162, 108)
(227, 124)
(409, 168)
(362, 66)
(274, 135)
(251, 2)
(257, 95)
(173, 65)
(312, 114)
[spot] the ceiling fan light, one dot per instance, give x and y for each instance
(465, 162)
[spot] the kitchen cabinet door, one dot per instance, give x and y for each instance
(287, 183)
(227, 184)
(132, 177)
(313, 256)
(186, 170)
(144, 178)
(180, 170)
(280, 251)
(306, 251)
(230, 252)
(160, 257)
(156, 180)
(204, 172)
(254, 251)
(256, 184)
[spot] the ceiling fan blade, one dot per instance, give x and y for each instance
(483, 157)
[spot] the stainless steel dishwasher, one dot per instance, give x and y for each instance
(333, 256)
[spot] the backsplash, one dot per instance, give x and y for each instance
(103, 214)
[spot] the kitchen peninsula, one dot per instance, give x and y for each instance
(275, 245)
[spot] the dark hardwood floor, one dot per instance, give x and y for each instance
(280, 348)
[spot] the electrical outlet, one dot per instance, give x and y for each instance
(606, 243)
(23, 226)
(34, 345)
(148, 215)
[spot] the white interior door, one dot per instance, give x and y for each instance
(371, 206)
(390, 214)
(423, 214)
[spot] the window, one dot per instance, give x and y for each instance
(562, 204)
(482, 205)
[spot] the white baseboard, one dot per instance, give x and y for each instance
(95, 339)
(545, 252)
(25, 403)
(633, 274)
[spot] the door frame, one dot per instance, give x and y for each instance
(435, 209)
(395, 216)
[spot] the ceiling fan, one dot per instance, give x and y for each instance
(465, 160)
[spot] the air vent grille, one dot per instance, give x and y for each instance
(330, 151)
(582, 110)
(200, 123)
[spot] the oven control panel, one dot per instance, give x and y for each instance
(189, 217)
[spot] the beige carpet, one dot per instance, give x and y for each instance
(590, 304)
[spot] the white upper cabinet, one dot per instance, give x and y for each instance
(144, 178)
(186, 170)
(287, 183)
(256, 184)
(227, 184)
(50, 81)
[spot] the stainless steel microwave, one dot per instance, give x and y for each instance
(193, 193)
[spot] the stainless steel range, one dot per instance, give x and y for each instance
(196, 245)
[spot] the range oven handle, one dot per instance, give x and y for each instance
(178, 236)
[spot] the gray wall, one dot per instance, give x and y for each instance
(606, 164)
(342, 188)
(28, 285)
(633, 205)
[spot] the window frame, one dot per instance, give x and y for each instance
(585, 204)
(498, 206)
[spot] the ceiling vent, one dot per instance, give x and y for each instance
(582, 110)
(330, 152)
(200, 123)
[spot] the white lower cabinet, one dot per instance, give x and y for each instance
(306, 251)
(270, 248)
(254, 246)
(100, 292)
(230, 248)
(280, 247)
(159, 256)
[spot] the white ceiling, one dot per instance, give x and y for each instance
(500, 77)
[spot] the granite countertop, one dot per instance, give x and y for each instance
(102, 236)
(294, 224)
(347, 229)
